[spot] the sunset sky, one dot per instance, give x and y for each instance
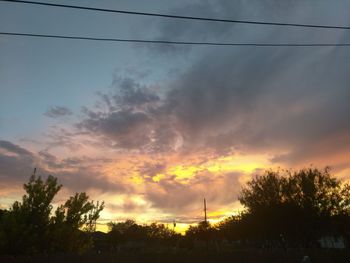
(153, 129)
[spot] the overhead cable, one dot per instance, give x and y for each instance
(170, 42)
(198, 18)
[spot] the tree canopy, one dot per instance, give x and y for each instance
(305, 204)
(31, 227)
(129, 230)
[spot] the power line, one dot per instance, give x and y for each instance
(168, 42)
(175, 42)
(178, 16)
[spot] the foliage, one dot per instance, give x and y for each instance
(130, 231)
(30, 227)
(303, 205)
(202, 231)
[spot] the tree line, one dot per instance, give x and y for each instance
(282, 208)
(287, 209)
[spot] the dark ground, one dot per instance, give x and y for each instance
(246, 256)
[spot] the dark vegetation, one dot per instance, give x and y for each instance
(30, 226)
(287, 214)
(298, 208)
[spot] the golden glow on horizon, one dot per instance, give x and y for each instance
(129, 169)
(179, 228)
(219, 214)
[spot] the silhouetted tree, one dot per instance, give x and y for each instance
(78, 213)
(204, 231)
(129, 231)
(29, 227)
(231, 228)
(26, 224)
(122, 232)
(302, 205)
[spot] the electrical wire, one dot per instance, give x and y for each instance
(179, 16)
(168, 42)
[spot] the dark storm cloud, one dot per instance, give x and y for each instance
(57, 112)
(238, 98)
(261, 98)
(255, 10)
(251, 99)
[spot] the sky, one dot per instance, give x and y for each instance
(153, 129)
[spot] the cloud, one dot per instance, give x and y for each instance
(131, 94)
(128, 205)
(82, 173)
(126, 129)
(86, 179)
(16, 163)
(13, 148)
(234, 99)
(66, 137)
(128, 117)
(58, 112)
(152, 169)
(267, 100)
(171, 195)
(274, 100)
(76, 174)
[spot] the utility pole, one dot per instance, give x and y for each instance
(205, 211)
